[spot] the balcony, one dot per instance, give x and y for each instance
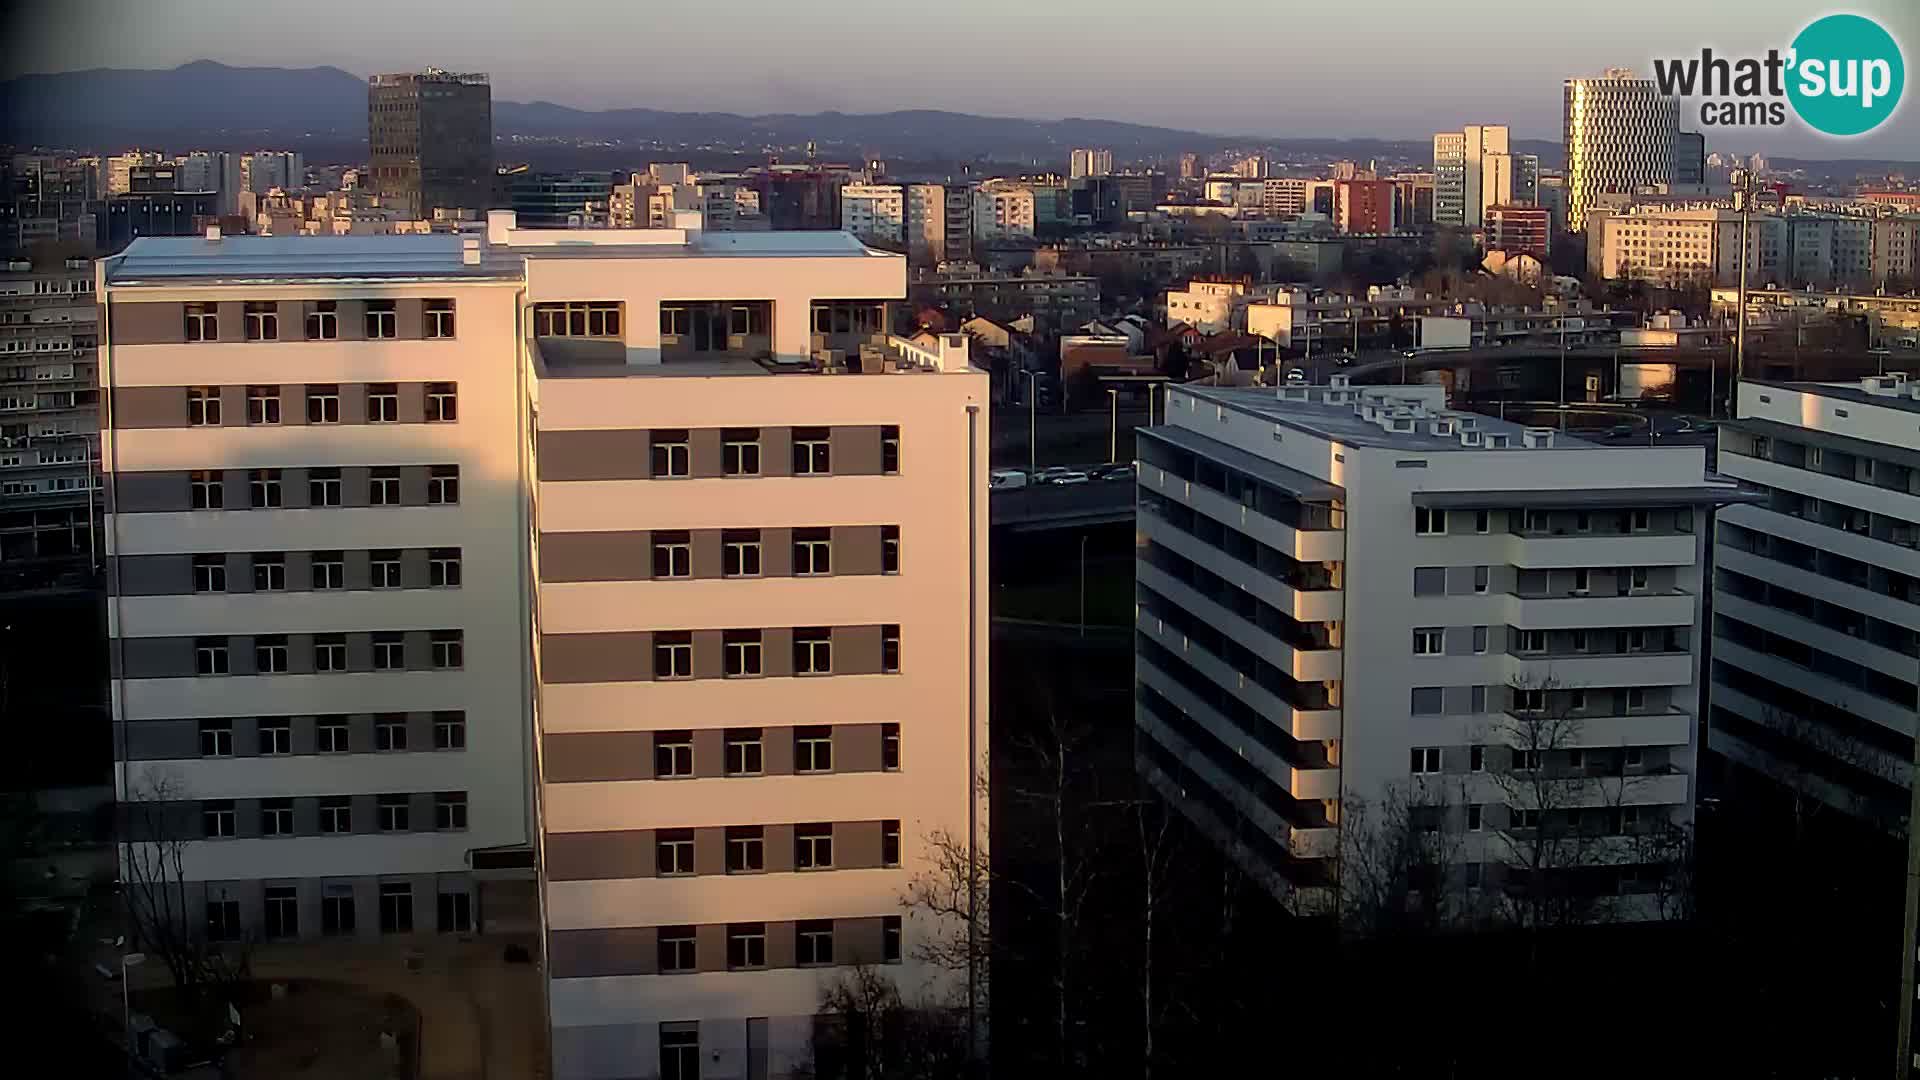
(1659, 727)
(1317, 783)
(1550, 551)
(1574, 612)
(1313, 843)
(1306, 725)
(1300, 663)
(1305, 605)
(1598, 671)
(1305, 545)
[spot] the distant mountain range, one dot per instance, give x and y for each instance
(324, 111)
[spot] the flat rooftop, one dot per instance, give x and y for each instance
(1339, 423)
(1849, 391)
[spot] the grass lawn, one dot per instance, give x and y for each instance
(1109, 596)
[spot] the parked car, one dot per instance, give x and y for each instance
(1072, 476)
(1006, 479)
(1621, 431)
(1050, 473)
(1123, 472)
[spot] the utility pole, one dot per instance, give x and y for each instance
(1563, 371)
(1113, 427)
(1033, 426)
(1743, 202)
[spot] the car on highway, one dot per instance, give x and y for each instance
(1064, 479)
(1621, 431)
(1006, 479)
(1296, 374)
(1114, 472)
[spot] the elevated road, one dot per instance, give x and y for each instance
(1039, 507)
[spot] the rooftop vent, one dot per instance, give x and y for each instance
(1880, 384)
(1497, 440)
(213, 234)
(1469, 438)
(1338, 380)
(1295, 392)
(1441, 428)
(470, 251)
(1536, 438)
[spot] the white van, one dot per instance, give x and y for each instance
(1002, 479)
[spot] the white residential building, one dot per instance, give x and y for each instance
(1089, 162)
(1347, 591)
(1816, 595)
(1462, 161)
(1003, 210)
(555, 548)
(1685, 245)
(874, 211)
(49, 421)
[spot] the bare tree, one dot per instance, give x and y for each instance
(1397, 870)
(865, 1030)
(1153, 825)
(205, 972)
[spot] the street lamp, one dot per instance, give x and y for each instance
(1113, 425)
(1033, 423)
(127, 962)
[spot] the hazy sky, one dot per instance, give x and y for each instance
(1390, 68)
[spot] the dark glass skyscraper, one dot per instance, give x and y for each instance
(430, 136)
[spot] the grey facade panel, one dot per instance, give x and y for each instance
(595, 556)
(149, 407)
(776, 451)
(703, 452)
(147, 324)
(594, 455)
(611, 951)
(856, 845)
(856, 747)
(599, 856)
(589, 756)
(156, 575)
(162, 740)
(586, 658)
(156, 657)
(157, 492)
(856, 451)
(856, 549)
(856, 650)
(858, 941)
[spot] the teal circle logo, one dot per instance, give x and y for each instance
(1847, 75)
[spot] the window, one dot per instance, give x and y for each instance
(439, 321)
(450, 810)
(330, 734)
(329, 569)
(216, 818)
(672, 554)
(396, 907)
(890, 939)
(323, 487)
(1531, 641)
(670, 453)
(1582, 582)
(383, 486)
(1576, 701)
(680, 1051)
(1637, 579)
(1428, 701)
(1583, 522)
(812, 651)
(812, 452)
(1576, 759)
(443, 485)
(740, 451)
(744, 749)
(890, 747)
(392, 814)
(443, 403)
(263, 489)
(210, 656)
(336, 814)
(382, 322)
(889, 549)
(283, 909)
(813, 939)
(336, 910)
(1429, 522)
(1477, 759)
(223, 920)
(1635, 757)
(383, 403)
(276, 735)
(1536, 521)
(674, 321)
(890, 649)
(330, 652)
(590, 319)
(203, 406)
(1641, 520)
(1482, 579)
(1636, 699)
(812, 552)
(209, 573)
(1481, 521)
(263, 320)
(323, 404)
(741, 321)
(390, 732)
(890, 449)
(263, 404)
(1526, 761)
(746, 849)
(270, 654)
(1473, 818)
(813, 847)
(812, 749)
(204, 490)
(216, 738)
(1429, 641)
(746, 946)
(203, 322)
(890, 843)
(1518, 818)
(449, 731)
(323, 321)
(449, 649)
(1529, 700)
(443, 568)
(1479, 640)
(740, 552)
(742, 649)
(383, 568)
(676, 953)
(673, 655)
(672, 755)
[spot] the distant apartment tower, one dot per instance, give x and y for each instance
(1252, 167)
(1190, 168)
(1283, 195)
(1816, 597)
(556, 200)
(266, 170)
(1520, 230)
(874, 212)
(1474, 168)
(1500, 604)
(118, 169)
(1004, 210)
(216, 171)
(49, 424)
(1089, 162)
(939, 223)
(1364, 206)
(430, 137)
(1619, 134)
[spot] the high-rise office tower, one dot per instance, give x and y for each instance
(1619, 133)
(1460, 172)
(494, 570)
(1088, 162)
(1689, 158)
(1816, 599)
(1499, 625)
(430, 138)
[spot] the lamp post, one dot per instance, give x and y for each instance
(128, 961)
(1113, 425)
(1743, 202)
(1033, 424)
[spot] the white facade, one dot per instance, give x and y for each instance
(1700, 245)
(1089, 162)
(874, 211)
(1466, 166)
(1619, 134)
(1419, 573)
(1003, 211)
(1816, 613)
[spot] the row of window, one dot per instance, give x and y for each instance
(746, 848)
(745, 750)
(1426, 759)
(329, 570)
(747, 951)
(1432, 640)
(740, 552)
(207, 487)
(1430, 700)
(743, 652)
(332, 734)
(605, 318)
(272, 656)
(1429, 521)
(812, 450)
(392, 813)
(261, 318)
(337, 912)
(323, 404)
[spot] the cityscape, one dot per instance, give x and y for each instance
(499, 588)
